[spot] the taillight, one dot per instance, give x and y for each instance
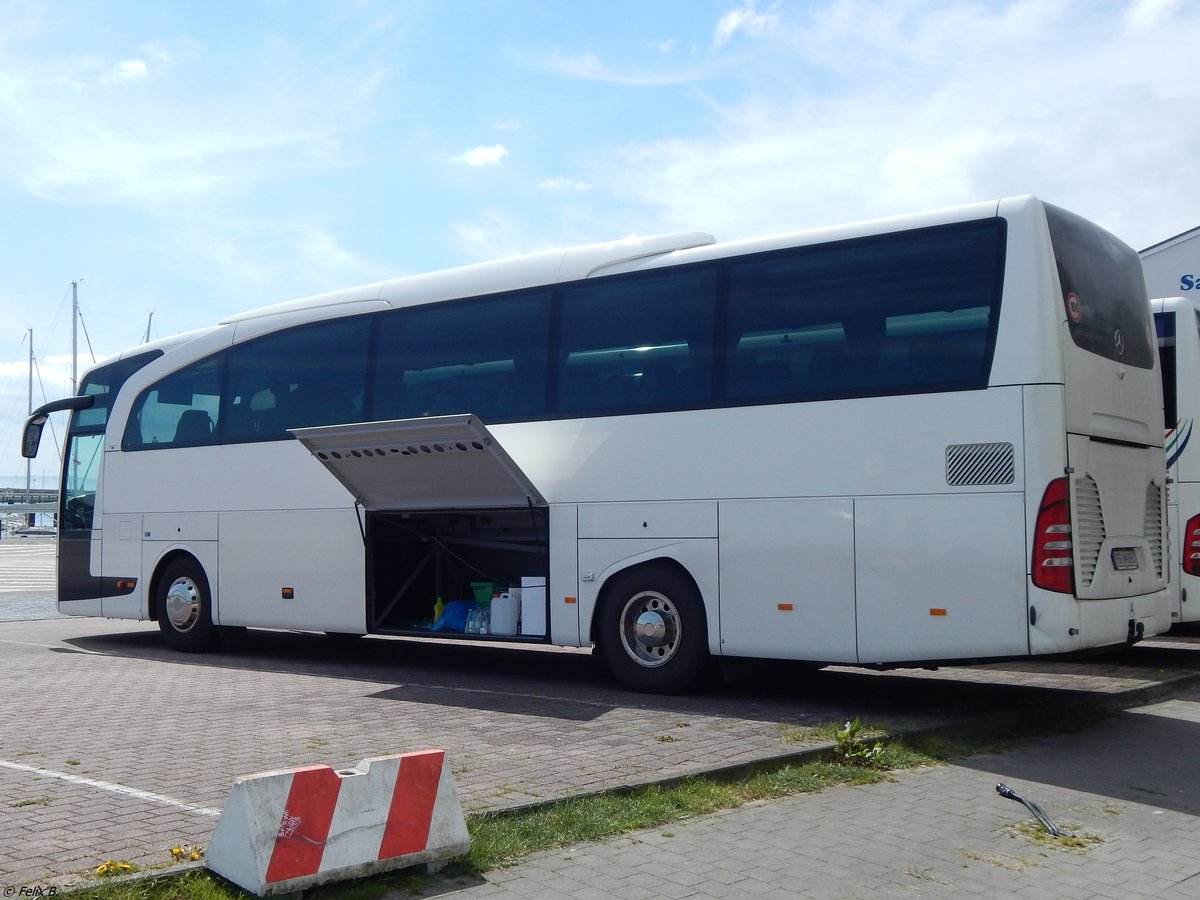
(1191, 546)
(1053, 562)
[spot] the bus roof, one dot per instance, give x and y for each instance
(546, 267)
(573, 263)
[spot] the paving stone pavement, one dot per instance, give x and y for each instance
(114, 747)
(1126, 787)
(27, 578)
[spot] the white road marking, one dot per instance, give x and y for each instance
(112, 788)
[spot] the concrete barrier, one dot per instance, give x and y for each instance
(287, 830)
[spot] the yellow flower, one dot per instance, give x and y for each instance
(112, 867)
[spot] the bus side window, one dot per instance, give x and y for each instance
(633, 342)
(1165, 325)
(486, 357)
(309, 375)
(180, 410)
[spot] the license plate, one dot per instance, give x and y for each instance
(1124, 558)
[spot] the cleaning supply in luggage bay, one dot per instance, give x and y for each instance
(504, 611)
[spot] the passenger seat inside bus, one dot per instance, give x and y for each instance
(194, 426)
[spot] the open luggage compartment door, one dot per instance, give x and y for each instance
(437, 462)
(449, 514)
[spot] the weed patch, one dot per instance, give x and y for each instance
(1070, 841)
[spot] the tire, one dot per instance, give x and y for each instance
(184, 606)
(652, 632)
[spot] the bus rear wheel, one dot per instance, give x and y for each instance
(185, 607)
(652, 633)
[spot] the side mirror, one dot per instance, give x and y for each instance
(32, 436)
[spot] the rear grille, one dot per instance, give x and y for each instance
(968, 464)
(1154, 530)
(1088, 527)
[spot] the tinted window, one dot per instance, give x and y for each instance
(637, 342)
(896, 313)
(1104, 294)
(484, 356)
(103, 384)
(1164, 326)
(311, 375)
(181, 410)
(902, 312)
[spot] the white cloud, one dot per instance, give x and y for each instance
(564, 185)
(590, 67)
(272, 260)
(179, 139)
(665, 47)
(933, 104)
(126, 70)
(746, 18)
(1146, 13)
(494, 234)
(177, 50)
(482, 156)
(162, 54)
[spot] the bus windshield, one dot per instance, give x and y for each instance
(85, 439)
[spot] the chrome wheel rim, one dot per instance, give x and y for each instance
(183, 604)
(651, 629)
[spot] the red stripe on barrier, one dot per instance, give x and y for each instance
(407, 829)
(304, 827)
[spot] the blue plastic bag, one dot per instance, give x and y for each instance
(454, 616)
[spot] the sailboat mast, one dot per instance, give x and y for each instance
(74, 337)
(29, 462)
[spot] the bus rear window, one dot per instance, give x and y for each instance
(1104, 294)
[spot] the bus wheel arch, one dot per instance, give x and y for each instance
(182, 603)
(651, 629)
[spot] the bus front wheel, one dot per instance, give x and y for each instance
(651, 631)
(185, 607)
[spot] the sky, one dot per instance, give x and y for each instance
(180, 162)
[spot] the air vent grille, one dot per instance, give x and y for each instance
(975, 464)
(1154, 529)
(1088, 527)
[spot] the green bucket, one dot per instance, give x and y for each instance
(484, 590)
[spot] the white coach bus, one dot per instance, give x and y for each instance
(926, 439)
(1177, 322)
